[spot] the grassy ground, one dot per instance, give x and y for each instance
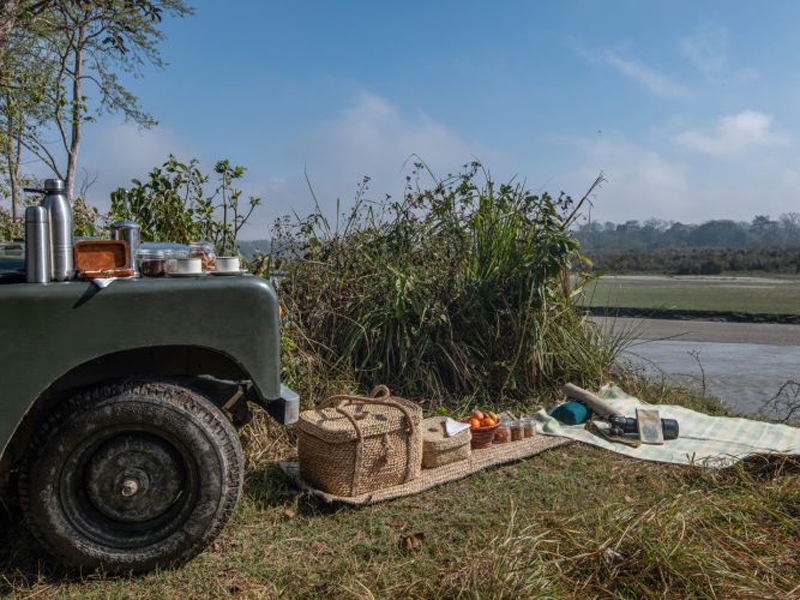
(572, 522)
(738, 294)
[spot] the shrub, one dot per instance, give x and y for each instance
(173, 205)
(461, 287)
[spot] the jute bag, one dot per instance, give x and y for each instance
(352, 445)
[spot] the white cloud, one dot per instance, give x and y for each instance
(655, 82)
(116, 153)
(791, 178)
(370, 137)
(644, 183)
(707, 51)
(640, 183)
(735, 134)
(374, 137)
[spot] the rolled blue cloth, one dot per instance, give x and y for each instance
(571, 412)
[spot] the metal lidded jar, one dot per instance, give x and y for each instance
(130, 231)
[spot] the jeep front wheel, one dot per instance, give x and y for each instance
(131, 477)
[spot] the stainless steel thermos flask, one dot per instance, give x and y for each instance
(60, 212)
(38, 267)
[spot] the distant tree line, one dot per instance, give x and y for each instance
(711, 248)
(761, 232)
(698, 261)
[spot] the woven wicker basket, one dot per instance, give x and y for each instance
(483, 436)
(438, 449)
(352, 445)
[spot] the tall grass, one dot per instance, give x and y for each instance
(462, 287)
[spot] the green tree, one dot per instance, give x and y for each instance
(173, 206)
(169, 206)
(85, 46)
(764, 230)
(23, 80)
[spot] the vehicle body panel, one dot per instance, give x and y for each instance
(50, 330)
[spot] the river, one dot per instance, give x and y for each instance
(742, 364)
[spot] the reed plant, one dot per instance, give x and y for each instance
(462, 287)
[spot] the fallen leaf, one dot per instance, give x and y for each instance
(395, 522)
(611, 556)
(414, 542)
(630, 500)
(290, 513)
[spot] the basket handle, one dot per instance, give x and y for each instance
(381, 391)
(380, 395)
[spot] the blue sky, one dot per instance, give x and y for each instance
(689, 108)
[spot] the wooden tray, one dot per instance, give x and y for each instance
(102, 258)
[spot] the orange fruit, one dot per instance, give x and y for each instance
(488, 422)
(476, 414)
(474, 424)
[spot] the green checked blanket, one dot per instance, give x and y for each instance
(704, 440)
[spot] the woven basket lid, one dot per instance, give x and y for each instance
(433, 435)
(331, 426)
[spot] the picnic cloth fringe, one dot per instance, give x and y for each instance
(479, 460)
(706, 441)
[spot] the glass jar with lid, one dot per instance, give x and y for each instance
(152, 263)
(503, 433)
(172, 255)
(206, 252)
(529, 426)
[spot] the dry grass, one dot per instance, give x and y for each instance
(574, 522)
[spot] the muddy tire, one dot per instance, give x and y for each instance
(131, 477)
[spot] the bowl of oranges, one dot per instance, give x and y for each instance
(482, 425)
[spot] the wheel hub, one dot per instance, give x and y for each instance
(129, 487)
(134, 478)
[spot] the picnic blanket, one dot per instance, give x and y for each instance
(704, 440)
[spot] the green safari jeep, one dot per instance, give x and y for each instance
(119, 409)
